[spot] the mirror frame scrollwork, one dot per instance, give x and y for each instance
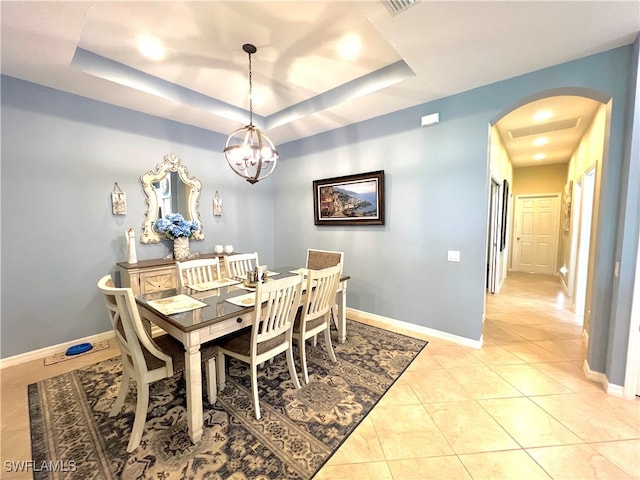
(171, 163)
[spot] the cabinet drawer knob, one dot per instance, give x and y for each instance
(239, 319)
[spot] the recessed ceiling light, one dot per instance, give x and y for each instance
(151, 48)
(540, 141)
(539, 156)
(349, 46)
(259, 96)
(542, 115)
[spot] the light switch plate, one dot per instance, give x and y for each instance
(453, 256)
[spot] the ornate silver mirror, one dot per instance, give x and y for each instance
(170, 189)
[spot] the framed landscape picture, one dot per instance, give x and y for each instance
(349, 200)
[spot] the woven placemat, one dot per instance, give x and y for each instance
(61, 357)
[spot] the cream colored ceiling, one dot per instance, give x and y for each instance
(430, 51)
(519, 130)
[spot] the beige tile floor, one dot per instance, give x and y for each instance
(519, 408)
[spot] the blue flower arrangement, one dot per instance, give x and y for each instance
(173, 225)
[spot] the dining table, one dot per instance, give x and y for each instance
(205, 312)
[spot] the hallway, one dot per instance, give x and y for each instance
(520, 407)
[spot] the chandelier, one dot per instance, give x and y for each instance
(248, 151)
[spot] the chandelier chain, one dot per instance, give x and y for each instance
(250, 94)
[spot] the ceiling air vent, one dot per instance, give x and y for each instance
(545, 128)
(397, 6)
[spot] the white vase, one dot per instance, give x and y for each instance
(181, 248)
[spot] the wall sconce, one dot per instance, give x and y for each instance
(217, 204)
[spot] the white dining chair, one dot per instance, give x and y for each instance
(238, 265)
(144, 359)
(270, 334)
(314, 316)
(197, 271)
(319, 259)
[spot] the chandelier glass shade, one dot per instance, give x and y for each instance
(249, 152)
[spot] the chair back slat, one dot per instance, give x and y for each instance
(238, 265)
(320, 293)
(197, 271)
(275, 314)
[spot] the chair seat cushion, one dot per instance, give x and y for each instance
(171, 347)
(240, 343)
(311, 324)
(175, 350)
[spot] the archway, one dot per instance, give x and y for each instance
(584, 110)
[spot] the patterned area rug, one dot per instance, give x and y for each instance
(298, 432)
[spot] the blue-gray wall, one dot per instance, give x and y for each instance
(61, 155)
(626, 247)
(437, 199)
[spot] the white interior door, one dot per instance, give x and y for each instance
(536, 233)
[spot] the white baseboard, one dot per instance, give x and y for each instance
(379, 320)
(615, 390)
(601, 378)
(53, 349)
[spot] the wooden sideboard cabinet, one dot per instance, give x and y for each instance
(148, 276)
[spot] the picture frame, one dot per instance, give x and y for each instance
(349, 200)
(567, 199)
(118, 201)
(217, 204)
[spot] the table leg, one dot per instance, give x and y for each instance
(210, 376)
(193, 380)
